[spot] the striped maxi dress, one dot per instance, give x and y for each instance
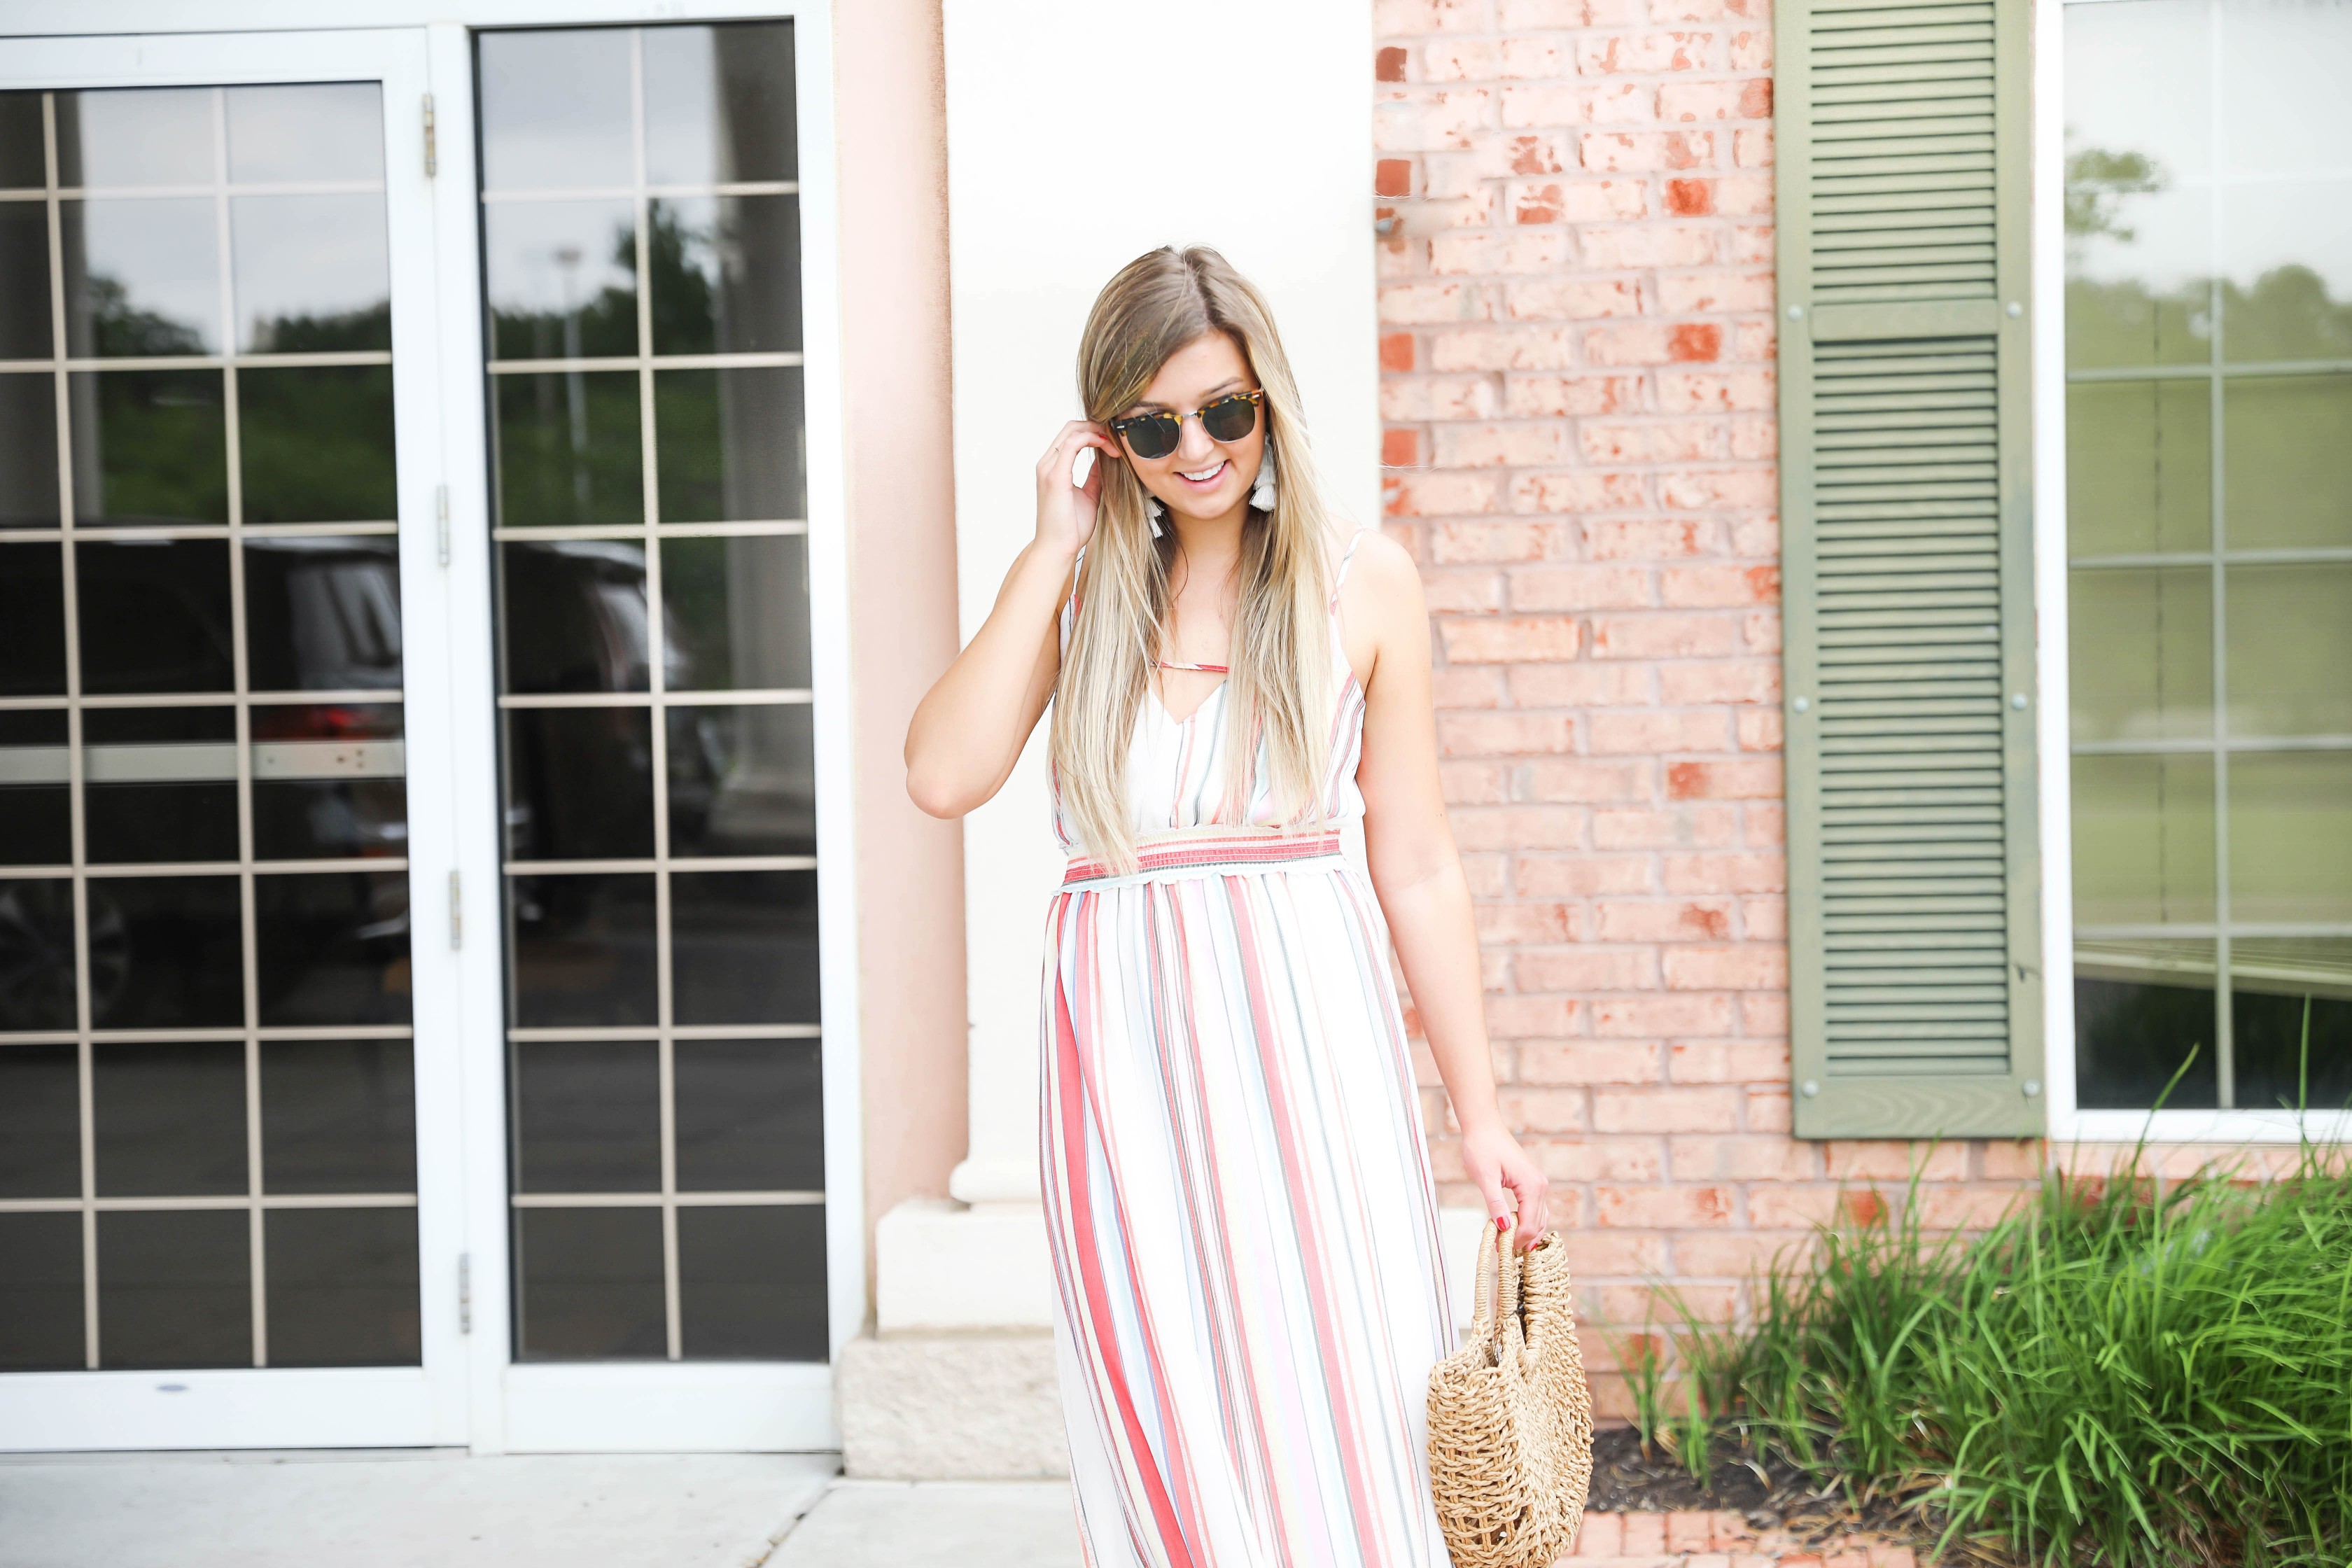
(1242, 1224)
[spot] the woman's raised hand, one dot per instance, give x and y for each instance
(1065, 512)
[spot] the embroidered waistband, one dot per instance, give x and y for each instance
(1207, 854)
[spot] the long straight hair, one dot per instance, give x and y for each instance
(1278, 694)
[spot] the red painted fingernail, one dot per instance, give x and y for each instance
(1502, 1222)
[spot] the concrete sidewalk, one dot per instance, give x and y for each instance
(439, 1510)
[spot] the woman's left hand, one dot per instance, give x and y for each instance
(1494, 1161)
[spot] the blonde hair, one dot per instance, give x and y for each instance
(1279, 691)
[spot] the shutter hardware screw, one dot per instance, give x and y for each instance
(2017, 700)
(2015, 310)
(1812, 1089)
(2033, 1088)
(1801, 704)
(1796, 312)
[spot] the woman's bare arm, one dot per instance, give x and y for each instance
(1417, 873)
(969, 729)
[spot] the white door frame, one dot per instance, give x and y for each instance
(374, 1407)
(470, 1392)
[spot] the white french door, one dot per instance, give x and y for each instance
(409, 717)
(231, 1195)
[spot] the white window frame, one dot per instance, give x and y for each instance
(2069, 1123)
(505, 1407)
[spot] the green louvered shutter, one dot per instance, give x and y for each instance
(1906, 510)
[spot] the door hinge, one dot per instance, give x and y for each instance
(441, 522)
(465, 1292)
(457, 914)
(432, 157)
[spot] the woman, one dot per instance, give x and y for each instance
(1244, 1230)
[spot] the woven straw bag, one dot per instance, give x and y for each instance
(1510, 1417)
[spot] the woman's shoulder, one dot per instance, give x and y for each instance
(1380, 573)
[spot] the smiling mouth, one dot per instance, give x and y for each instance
(1205, 475)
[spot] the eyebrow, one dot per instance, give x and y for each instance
(1231, 383)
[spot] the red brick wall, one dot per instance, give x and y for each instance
(1577, 383)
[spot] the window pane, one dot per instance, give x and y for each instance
(2291, 649)
(29, 445)
(149, 447)
(33, 608)
(147, 136)
(322, 614)
(2142, 647)
(174, 1288)
(719, 103)
(727, 274)
(309, 131)
(568, 450)
(751, 1283)
(2139, 475)
(555, 109)
(333, 948)
(737, 613)
(40, 1122)
(159, 783)
(731, 445)
(2290, 478)
(562, 278)
(168, 1118)
(742, 780)
(36, 814)
(24, 322)
(750, 1115)
(155, 616)
(2291, 837)
(2291, 1007)
(2287, 255)
(142, 277)
(22, 159)
(37, 944)
(743, 947)
(2143, 840)
(579, 784)
(587, 1116)
(588, 1285)
(338, 1116)
(571, 616)
(329, 782)
(317, 444)
(583, 950)
(2138, 224)
(166, 952)
(2142, 1009)
(342, 1287)
(40, 1292)
(312, 273)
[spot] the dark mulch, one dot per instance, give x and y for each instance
(1771, 1493)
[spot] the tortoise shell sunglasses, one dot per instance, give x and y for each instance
(1153, 436)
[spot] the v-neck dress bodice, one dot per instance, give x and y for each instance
(1176, 768)
(1238, 1196)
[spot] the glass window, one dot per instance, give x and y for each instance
(641, 261)
(2209, 402)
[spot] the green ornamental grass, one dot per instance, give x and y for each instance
(2120, 1372)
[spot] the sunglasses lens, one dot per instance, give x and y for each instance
(1229, 418)
(1151, 435)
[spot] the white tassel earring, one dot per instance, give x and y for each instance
(1262, 492)
(1152, 512)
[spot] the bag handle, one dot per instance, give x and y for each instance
(1498, 1294)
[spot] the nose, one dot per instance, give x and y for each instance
(1193, 446)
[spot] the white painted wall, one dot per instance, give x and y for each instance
(1081, 135)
